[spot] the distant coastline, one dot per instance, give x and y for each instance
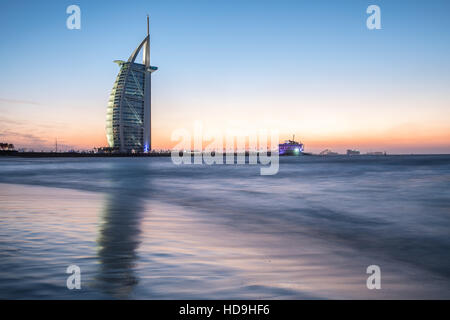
(43, 154)
(49, 154)
(78, 154)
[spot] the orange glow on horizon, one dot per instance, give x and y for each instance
(382, 141)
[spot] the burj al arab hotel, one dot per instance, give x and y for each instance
(128, 117)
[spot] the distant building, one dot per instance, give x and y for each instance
(376, 153)
(328, 152)
(353, 152)
(105, 150)
(6, 147)
(128, 118)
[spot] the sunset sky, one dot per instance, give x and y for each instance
(309, 68)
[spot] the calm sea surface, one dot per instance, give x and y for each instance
(143, 228)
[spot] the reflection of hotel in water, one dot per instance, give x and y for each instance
(128, 118)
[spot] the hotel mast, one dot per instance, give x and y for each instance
(128, 117)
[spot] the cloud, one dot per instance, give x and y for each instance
(14, 101)
(24, 138)
(35, 136)
(32, 141)
(18, 133)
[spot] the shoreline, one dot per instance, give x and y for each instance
(17, 154)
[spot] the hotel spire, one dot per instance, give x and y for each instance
(146, 53)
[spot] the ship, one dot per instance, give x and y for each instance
(291, 148)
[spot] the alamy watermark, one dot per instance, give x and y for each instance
(234, 146)
(374, 280)
(74, 20)
(74, 280)
(374, 20)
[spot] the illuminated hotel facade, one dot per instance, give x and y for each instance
(128, 116)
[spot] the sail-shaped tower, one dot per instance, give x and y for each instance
(128, 117)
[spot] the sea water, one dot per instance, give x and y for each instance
(144, 228)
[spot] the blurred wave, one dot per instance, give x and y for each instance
(145, 228)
